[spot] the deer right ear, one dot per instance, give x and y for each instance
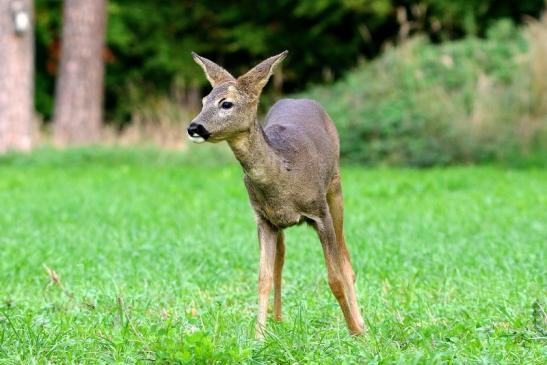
(256, 78)
(214, 73)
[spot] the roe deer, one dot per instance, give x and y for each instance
(292, 175)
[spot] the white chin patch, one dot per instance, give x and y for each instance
(196, 138)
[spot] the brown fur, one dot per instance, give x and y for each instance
(292, 175)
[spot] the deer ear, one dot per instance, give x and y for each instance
(214, 73)
(255, 79)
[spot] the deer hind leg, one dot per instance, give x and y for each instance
(267, 235)
(336, 208)
(278, 269)
(338, 281)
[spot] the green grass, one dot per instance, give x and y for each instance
(157, 260)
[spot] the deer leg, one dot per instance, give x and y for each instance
(267, 235)
(337, 279)
(278, 269)
(336, 208)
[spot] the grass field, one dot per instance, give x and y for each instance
(126, 256)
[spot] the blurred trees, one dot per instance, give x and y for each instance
(16, 74)
(149, 41)
(79, 89)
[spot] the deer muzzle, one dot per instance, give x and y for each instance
(197, 133)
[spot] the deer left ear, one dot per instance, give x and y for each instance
(214, 73)
(255, 79)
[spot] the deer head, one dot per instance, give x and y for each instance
(230, 108)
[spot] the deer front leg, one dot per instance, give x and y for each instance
(278, 270)
(338, 281)
(267, 237)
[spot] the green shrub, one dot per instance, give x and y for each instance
(422, 104)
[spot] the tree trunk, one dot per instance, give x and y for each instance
(79, 91)
(16, 74)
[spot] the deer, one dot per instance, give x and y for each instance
(291, 173)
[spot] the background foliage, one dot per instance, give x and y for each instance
(149, 42)
(420, 104)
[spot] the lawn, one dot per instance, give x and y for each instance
(126, 256)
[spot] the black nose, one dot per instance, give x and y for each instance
(197, 130)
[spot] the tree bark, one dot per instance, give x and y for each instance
(79, 91)
(16, 74)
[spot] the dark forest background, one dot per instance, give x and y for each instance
(149, 41)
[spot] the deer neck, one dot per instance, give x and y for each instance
(259, 160)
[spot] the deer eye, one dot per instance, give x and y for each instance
(226, 105)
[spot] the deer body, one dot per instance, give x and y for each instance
(291, 168)
(303, 142)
